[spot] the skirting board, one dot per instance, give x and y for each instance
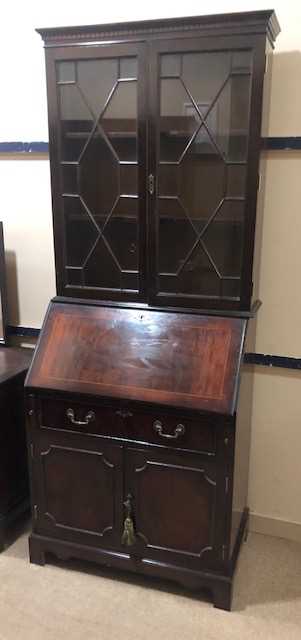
(275, 527)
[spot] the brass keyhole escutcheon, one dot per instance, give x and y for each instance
(128, 536)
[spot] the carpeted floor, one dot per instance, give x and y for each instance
(77, 601)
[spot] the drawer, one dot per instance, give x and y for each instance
(81, 418)
(154, 427)
(174, 431)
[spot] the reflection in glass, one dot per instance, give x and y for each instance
(234, 107)
(178, 120)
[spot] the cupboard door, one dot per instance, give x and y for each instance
(203, 206)
(97, 134)
(178, 508)
(77, 489)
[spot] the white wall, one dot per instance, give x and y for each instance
(26, 212)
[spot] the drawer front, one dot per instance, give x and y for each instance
(154, 427)
(81, 417)
(174, 431)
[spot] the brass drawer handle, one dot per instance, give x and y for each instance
(179, 430)
(128, 536)
(90, 417)
(124, 413)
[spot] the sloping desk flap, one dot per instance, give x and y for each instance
(183, 360)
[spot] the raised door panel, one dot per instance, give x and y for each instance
(177, 508)
(78, 489)
(205, 113)
(98, 170)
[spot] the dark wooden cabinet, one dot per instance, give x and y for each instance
(14, 492)
(139, 403)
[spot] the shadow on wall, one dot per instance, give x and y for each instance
(12, 288)
(285, 108)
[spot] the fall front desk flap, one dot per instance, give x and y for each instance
(184, 360)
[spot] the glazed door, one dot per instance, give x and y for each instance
(77, 489)
(174, 500)
(202, 161)
(97, 143)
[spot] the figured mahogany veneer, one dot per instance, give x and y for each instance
(167, 358)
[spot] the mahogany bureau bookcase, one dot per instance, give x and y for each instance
(138, 400)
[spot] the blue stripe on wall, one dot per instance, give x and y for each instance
(283, 362)
(270, 144)
(24, 147)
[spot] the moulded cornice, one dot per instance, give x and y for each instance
(228, 23)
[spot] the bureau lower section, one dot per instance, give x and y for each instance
(155, 501)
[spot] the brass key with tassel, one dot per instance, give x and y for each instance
(128, 536)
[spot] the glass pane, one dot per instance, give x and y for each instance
(65, 72)
(171, 65)
(119, 120)
(128, 179)
(101, 269)
(99, 183)
(128, 68)
(176, 235)
(231, 288)
(121, 233)
(130, 281)
(69, 178)
(99, 137)
(204, 74)
(204, 123)
(178, 122)
(168, 180)
(236, 182)
(74, 276)
(96, 80)
(202, 178)
(198, 276)
(80, 232)
(241, 61)
(76, 122)
(224, 238)
(233, 107)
